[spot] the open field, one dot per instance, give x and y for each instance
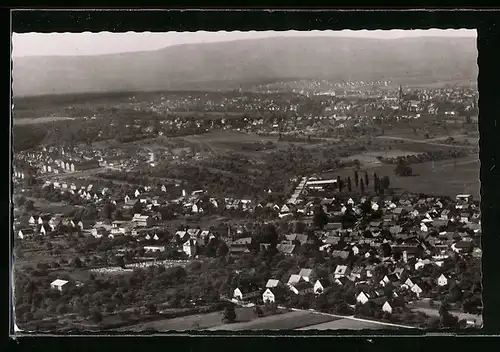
(439, 178)
(193, 322)
(423, 306)
(45, 206)
(349, 324)
(370, 158)
(285, 321)
(30, 121)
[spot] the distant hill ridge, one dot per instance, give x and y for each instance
(229, 65)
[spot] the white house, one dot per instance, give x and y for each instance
(442, 280)
(319, 286)
(59, 285)
(362, 298)
(416, 289)
(154, 248)
(244, 294)
(45, 229)
(25, 232)
(33, 220)
(189, 247)
(355, 250)
(421, 263)
(340, 270)
(387, 307)
(268, 296)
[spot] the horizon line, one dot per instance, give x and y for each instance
(232, 40)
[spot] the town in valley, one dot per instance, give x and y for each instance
(295, 204)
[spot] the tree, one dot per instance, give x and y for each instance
(29, 205)
(362, 186)
(258, 311)
(385, 182)
(356, 178)
(106, 211)
(223, 250)
(403, 170)
(120, 261)
(367, 180)
(349, 184)
(229, 314)
(19, 201)
(320, 218)
(96, 316)
(151, 307)
(77, 263)
(90, 212)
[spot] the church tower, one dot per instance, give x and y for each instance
(400, 94)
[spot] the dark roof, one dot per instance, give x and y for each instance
(464, 244)
(342, 254)
(379, 300)
(333, 226)
(248, 288)
(286, 248)
(303, 285)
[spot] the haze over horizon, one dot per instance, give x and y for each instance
(104, 43)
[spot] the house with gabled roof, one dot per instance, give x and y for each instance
(245, 292)
(44, 229)
(320, 286)
(287, 249)
(341, 270)
(362, 297)
(271, 294)
(294, 278)
(442, 280)
(302, 288)
(305, 274)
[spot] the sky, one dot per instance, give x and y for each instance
(88, 43)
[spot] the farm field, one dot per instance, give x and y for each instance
(285, 321)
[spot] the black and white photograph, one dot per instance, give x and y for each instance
(233, 181)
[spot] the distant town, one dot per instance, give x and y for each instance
(292, 205)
